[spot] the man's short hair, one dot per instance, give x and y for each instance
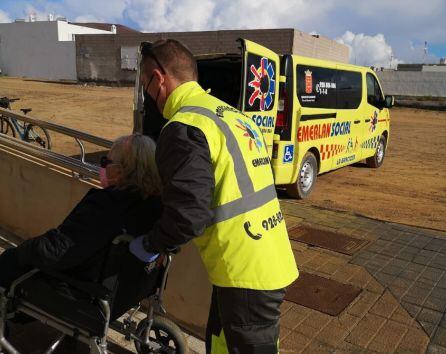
(173, 57)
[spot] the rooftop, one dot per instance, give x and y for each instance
(120, 29)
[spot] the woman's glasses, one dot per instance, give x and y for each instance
(105, 161)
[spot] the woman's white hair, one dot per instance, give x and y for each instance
(136, 155)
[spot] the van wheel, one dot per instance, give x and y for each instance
(377, 160)
(306, 179)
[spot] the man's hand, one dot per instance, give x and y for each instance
(137, 249)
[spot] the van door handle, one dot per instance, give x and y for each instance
(357, 121)
(367, 120)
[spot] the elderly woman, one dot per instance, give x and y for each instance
(129, 201)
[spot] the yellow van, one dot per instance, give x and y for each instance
(315, 115)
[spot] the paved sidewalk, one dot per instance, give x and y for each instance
(402, 274)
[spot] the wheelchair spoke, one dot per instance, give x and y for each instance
(164, 342)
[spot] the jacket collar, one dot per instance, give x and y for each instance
(178, 96)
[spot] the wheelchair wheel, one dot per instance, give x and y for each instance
(165, 337)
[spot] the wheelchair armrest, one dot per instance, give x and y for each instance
(20, 280)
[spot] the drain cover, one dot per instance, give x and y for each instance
(326, 239)
(321, 294)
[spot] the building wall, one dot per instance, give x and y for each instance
(67, 30)
(422, 67)
(319, 47)
(413, 83)
(98, 57)
(435, 68)
(41, 50)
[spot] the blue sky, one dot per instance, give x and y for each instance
(376, 30)
(438, 49)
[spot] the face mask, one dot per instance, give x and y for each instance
(103, 177)
(153, 121)
(154, 100)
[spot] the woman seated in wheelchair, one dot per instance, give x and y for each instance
(78, 247)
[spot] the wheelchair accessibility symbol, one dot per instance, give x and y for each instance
(288, 154)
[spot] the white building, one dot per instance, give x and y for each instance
(41, 49)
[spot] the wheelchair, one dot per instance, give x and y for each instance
(86, 310)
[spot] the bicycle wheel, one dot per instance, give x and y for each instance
(38, 136)
(6, 127)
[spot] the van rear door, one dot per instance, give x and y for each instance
(260, 87)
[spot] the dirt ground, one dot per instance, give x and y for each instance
(409, 188)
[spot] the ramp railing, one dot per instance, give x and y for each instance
(79, 167)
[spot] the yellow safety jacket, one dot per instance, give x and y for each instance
(247, 244)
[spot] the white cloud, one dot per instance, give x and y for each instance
(99, 10)
(166, 15)
(400, 20)
(39, 14)
(369, 50)
(186, 15)
(106, 10)
(410, 19)
(4, 17)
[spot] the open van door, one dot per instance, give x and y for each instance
(138, 95)
(260, 87)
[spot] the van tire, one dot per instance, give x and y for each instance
(377, 159)
(306, 179)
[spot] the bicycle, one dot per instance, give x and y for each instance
(27, 132)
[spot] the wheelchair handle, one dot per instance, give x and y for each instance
(5, 98)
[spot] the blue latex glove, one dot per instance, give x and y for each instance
(137, 249)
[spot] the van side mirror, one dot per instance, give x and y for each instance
(389, 101)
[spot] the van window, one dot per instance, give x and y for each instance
(374, 95)
(348, 89)
(316, 86)
(328, 88)
(261, 81)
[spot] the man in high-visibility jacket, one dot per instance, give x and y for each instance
(216, 193)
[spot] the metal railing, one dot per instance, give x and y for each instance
(81, 167)
(78, 136)
(82, 170)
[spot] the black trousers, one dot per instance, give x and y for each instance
(249, 320)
